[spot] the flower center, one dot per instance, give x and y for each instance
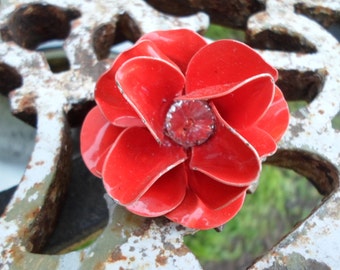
(189, 122)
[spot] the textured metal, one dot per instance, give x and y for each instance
(312, 145)
(287, 35)
(53, 101)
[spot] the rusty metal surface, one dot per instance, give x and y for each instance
(312, 144)
(286, 34)
(53, 101)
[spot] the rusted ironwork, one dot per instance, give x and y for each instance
(286, 33)
(311, 146)
(53, 101)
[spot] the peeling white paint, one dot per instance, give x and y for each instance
(158, 248)
(53, 95)
(316, 239)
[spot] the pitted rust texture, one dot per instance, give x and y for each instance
(304, 52)
(54, 101)
(311, 145)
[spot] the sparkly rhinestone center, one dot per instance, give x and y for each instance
(190, 122)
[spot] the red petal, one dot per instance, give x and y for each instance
(227, 157)
(194, 214)
(225, 62)
(244, 106)
(135, 162)
(179, 45)
(150, 86)
(211, 92)
(213, 194)
(261, 140)
(107, 95)
(97, 135)
(275, 121)
(163, 196)
(111, 101)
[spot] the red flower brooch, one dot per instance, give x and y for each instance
(181, 126)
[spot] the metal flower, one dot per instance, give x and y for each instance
(181, 126)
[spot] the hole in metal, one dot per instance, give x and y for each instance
(55, 55)
(336, 121)
(16, 145)
(295, 106)
(32, 24)
(217, 32)
(322, 174)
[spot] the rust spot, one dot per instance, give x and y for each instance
(37, 186)
(143, 228)
(297, 261)
(26, 110)
(161, 259)
(32, 214)
(322, 15)
(17, 254)
(117, 255)
(39, 163)
(82, 255)
(99, 266)
(50, 115)
(181, 251)
(27, 103)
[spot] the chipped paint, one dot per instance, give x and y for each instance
(49, 96)
(159, 247)
(313, 245)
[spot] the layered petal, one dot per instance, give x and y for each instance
(179, 45)
(136, 161)
(224, 62)
(240, 104)
(97, 135)
(227, 157)
(150, 86)
(275, 121)
(212, 193)
(193, 213)
(260, 140)
(107, 95)
(248, 103)
(163, 196)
